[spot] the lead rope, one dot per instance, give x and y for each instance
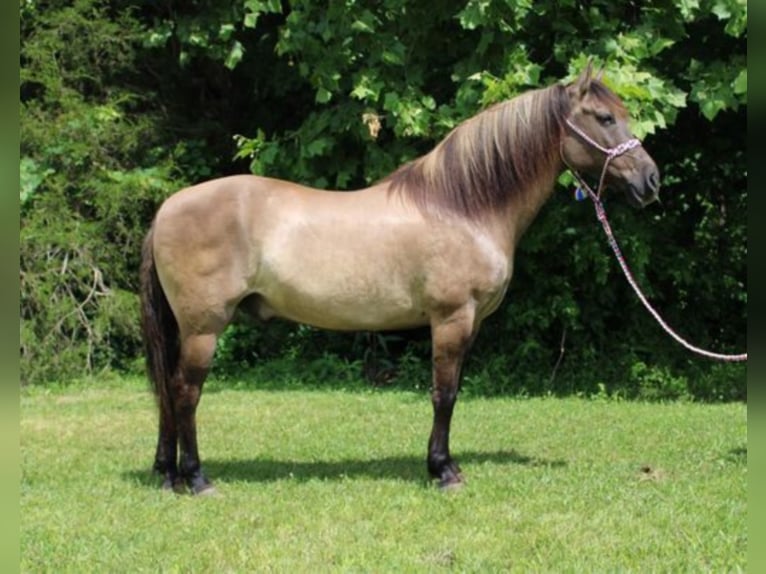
(611, 153)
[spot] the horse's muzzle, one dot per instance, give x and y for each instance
(645, 189)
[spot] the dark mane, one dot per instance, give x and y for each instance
(490, 159)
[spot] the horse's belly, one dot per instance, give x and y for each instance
(334, 273)
(338, 309)
(341, 293)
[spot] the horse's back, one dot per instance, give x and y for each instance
(219, 202)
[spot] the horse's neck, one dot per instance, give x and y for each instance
(522, 211)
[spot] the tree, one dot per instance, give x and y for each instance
(121, 105)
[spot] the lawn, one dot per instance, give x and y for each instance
(331, 480)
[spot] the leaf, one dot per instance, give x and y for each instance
(198, 39)
(660, 44)
(362, 26)
(391, 102)
(393, 58)
(159, 36)
(362, 92)
(721, 10)
(711, 106)
(366, 88)
(687, 8)
(323, 96)
(254, 8)
(473, 15)
(31, 176)
(235, 55)
(739, 85)
(318, 147)
(225, 31)
(251, 20)
(428, 102)
(675, 98)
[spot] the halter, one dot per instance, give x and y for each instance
(610, 153)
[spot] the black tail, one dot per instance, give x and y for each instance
(159, 328)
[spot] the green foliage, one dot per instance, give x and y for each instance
(656, 383)
(122, 104)
(31, 175)
(719, 86)
(90, 181)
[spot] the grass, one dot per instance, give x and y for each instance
(335, 481)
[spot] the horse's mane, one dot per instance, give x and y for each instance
(491, 158)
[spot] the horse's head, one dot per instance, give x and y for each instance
(598, 142)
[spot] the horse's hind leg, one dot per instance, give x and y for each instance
(452, 336)
(196, 356)
(166, 458)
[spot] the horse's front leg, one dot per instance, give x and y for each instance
(451, 338)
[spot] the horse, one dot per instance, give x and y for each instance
(432, 244)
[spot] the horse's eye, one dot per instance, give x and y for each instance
(605, 119)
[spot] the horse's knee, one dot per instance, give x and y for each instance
(444, 395)
(452, 335)
(196, 356)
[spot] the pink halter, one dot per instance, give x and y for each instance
(611, 153)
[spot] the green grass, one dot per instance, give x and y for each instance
(335, 481)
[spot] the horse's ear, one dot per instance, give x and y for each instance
(600, 74)
(583, 81)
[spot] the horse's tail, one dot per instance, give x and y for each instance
(158, 328)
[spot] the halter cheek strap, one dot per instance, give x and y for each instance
(610, 153)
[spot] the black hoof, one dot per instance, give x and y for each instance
(448, 475)
(174, 484)
(209, 490)
(199, 484)
(451, 485)
(171, 481)
(451, 479)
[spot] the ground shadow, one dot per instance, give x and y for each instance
(737, 455)
(410, 468)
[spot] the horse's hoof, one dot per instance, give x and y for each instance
(451, 484)
(173, 485)
(200, 485)
(451, 479)
(207, 490)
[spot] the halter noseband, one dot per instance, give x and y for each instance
(610, 153)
